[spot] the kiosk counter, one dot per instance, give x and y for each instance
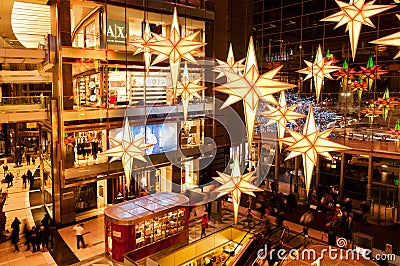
(146, 225)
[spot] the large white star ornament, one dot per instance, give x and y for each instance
(251, 87)
(127, 149)
(282, 115)
(236, 184)
(143, 46)
(392, 40)
(188, 89)
(230, 65)
(175, 48)
(309, 145)
(318, 71)
(355, 14)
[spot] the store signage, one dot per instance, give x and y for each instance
(116, 234)
(159, 81)
(68, 195)
(116, 32)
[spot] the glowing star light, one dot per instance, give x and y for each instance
(127, 149)
(392, 40)
(236, 184)
(251, 87)
(309, 145)
(175, 48)
(318, 70)
(282, 115)
(355, 14)
(143, 46)
(230, 65)
(187, 89)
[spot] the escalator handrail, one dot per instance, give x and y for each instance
(234, 251)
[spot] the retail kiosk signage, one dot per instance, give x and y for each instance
(116, 32)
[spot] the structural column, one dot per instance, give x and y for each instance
(341, 182)
(370, 171)
(277, 156)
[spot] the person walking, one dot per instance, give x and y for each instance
(348, 227)
(35, 239)
(15, 233)
(27, 233)
(5, 168)
(24, 180)
(306, 220)
(291, 201)
(79, 235)
(204, 225)
(33, 158)
(44, 238)
(31, 179)
(249, 218)
(28, 158)
(8, 179)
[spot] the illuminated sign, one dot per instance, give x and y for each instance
(116, 32)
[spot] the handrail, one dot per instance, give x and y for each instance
(234, 251)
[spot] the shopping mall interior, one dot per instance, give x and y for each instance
(172, 131)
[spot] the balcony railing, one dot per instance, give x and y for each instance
(24, 103)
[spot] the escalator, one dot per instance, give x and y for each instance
(263, 249)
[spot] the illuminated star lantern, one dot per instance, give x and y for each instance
(371, 112)
(318, 70)
(355, 14)
(187, 89)
(392, 40)
(236, 184)
(359, 86)
(282, 115)
(251, 87)
(127, 149)
(230, 65)
(143, 46)
(175, 48)
(371, 72)
(309, 145)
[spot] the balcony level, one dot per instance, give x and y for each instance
(23, 109)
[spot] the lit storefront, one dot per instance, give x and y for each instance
(146, 225)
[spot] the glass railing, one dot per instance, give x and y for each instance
(24, 103)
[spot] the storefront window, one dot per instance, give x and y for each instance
(86, 197)
(356, 175)
(88, 91)
(83, 148)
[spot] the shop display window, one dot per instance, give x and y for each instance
(190, 134)
(83, 148)
(160, 227)
(88, 91)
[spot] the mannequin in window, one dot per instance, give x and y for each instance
(150, 139)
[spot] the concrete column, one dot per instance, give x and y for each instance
(341, 182)
(317, 174)
(277, 156)
(370, 172)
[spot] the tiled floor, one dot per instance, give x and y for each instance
(17, 205)
(94, 239)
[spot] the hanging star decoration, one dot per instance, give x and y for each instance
(251, 87)
(318, 70)
(392, 40)
(236, 184)
(309, 145)
(128, 149)
(282, 115)
(359, 86)
(187, 90)
(355, 14)
(175, 48)
(230, 65)
(386, 103)
(330, 57)
(371, 112)
(143, 46)
(371, 72)
(346, 73)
